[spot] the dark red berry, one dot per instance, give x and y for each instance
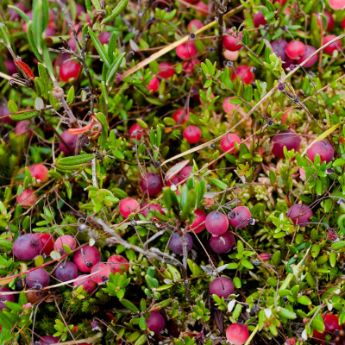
(299, 214)
(331, 48)
(245, 73)
(166, 70)
(326, 20)
(47, 242)
(65, 240)
(86, 282)
(100, 272)
(86, 257)
(39, 172)
(222, 244)
(151, 208)
(198, 224)
(187, 50)
(259, 19)
(240, 217)
(118, 264)
(192, 134)
(290, 140)
(104, 37)
(68, 143)
(69, 70)
(47, 340)
(66, 271)
(232, 42)
(309, 50)
(222, 287)
(6, 298)
(177, 242)
(127, 206)
(216, 223)
(136, 131)
(230, 143)
(37, 279)
(295, 50)
(27, 198)
(151, 184)
(322, 148)
(180, 116)
(237, 334)
(153, 85)
(155, 322)
(26, 247)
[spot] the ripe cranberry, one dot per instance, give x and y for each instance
(198, 224)
(244, 73)
(278, 47)
(26, 247)
(65, 240)
(237, 334)
(309, 50)
(231, 55)
(337, 4)
(69, 70)
(37, 279)
(342, 23)
(288, 139)
(166, 70)
(104, 37)
(332, 327)
(151, 208)
(187, 50)
(47, 340)
(240, 217)
(39, 172)
(216, 223)
(118, 264)
(136, 131)
(281, 2)
(202, 8)
(153, 85)
(27, 198)
(232, 42)
(68, 143)
(4, 114)
(22, 127)
(192, 134)
(47, 242)
(151, 184)
(101, 272)
(222, 244)
(6, 298)
(322, 148)
(259, 19)
(229, 143)
(86, 257)
(10, 67)
(177, 242)
(265, 256)
(66, 271)
(181, 115)
(194, 25)
(127, 206)
(188, 66)
(222, 287)
(295, 50)
(229, 107)
(299, 214)
(192, 1)
(330, 49)
(86, 282)
(326, 20)
(155, 322)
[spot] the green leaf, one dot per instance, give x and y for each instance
(96, 5)
(304, 300)
(99, 47)
(24, 115)
(129, 305)
(70, 95)
(116, 11)
(288, 314)
(114, 68)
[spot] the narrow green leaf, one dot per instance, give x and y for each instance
(99, 47)
(116, 11)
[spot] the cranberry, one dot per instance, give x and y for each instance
(244, 73)
(259, 19)
(22, 127)
(68, 143)
(331, 48)
(66, 271)
(322, 148)
(69, 70)
(326, 20)
(229, 143)
(232, 42)
(37, 279)
(86, 282)
(153, 85)
(237, 334)
(151, 184)
(222, 287)
(299, 214)
(240, 217)
(48, 340)
(192, 1)
(181, 116)
(177, 242)
(104, 37)
(86, 257)
(166, 70)
(39, 172)
(101, 272)
(6, 298)
(192, 134)
(194, 25)
(27, 198)
(136, 131)
(150, 208)
(118, 264)
(295, 50)
(202, 8)
(222, 244)
(337, 4)
(188, 66)
(231, 55)
(229, 107)
(309, 50)
(278, 47)
(128, 206)
(288, 139)
(47, 242)
(65, 240)
(342, 23)
(10, 67)
(26, 247)
(216, 223)
(187, 50)
(332, 327)
(155, 322)
(198, 224)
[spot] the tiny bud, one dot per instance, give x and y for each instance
(58, 92)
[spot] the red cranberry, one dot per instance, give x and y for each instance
(229, 107)
(66, 271)
(244, 73)
(151, 184)
(198, 224)
(48, 340)
(280, 2)
(222, 287)
(322, 148)
(330, 49)
(259, 19)
(188, 66)
(6, 298)
(10, 67)
(39, 172)
(299, 214)
(232, 42)
(150, 208)
(136, 131)
(166, 70)
(69, 70)
(194, 25)
(118, 264)
(27, 198)
(86, 282)
(192, 134)
(216, 223)
(309, 50)
(278, 47)
(26, 247)
(332, 327)
(47, 242)
(37, 279)
(326, 20)
(337, 4)
(222, 244)
(295, 50)
(240, 217)
(101, 272)
(290, 140)
(202, 8)
(104, 37)
(237, 334)
(230, 142)
(153, 85)
(186, 50)
(342, 23)
(68, 143)
(22, 127)
(192, 1)
(127, 206)
(65, 240)
(155, 322)
(4, 114)
(181, 115)
(86, 257)
(177, 242)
